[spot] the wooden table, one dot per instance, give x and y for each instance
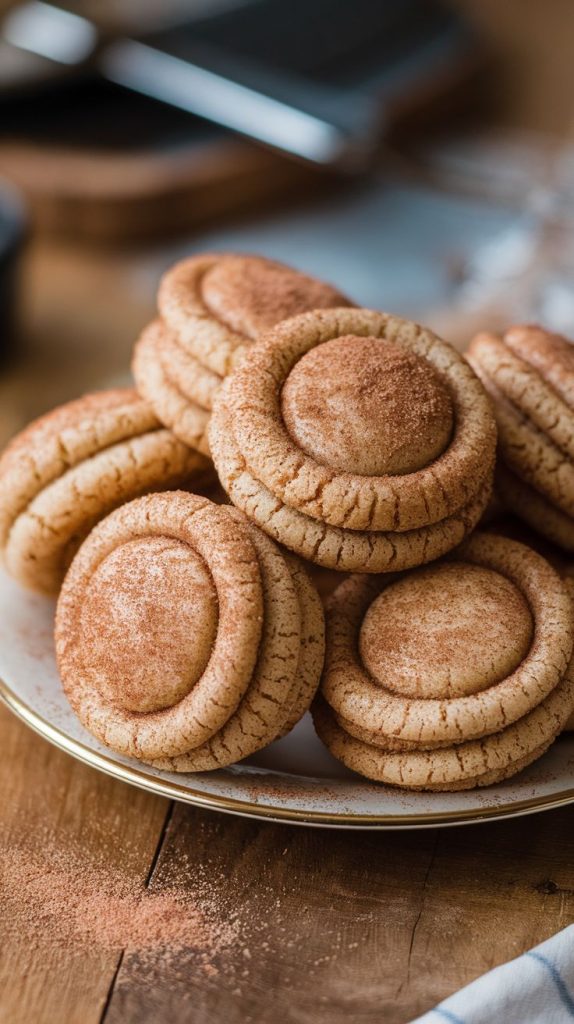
(338, 926)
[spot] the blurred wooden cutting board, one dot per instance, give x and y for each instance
(119, 195)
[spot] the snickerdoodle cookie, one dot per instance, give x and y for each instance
(212, 307)
(452, 676)
(529, 374)
(184, 636)
(68, 469)
(358, 440)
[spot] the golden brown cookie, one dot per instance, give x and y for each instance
(212, 308)
(217, 304)
(186, 373)
(70, 468)
(452, 676)
(359, 440)
(529, 374)
(184, 636)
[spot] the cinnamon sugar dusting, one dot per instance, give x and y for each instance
(424, 635)
(71, 415)
(251, 294)
(206, 919)
(365, 405)
(79, 904)
(139, 655)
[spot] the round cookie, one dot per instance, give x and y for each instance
(452, 676)
(358, 440)
(217, 304)
(184, 637)
(73, 466)
(529, 374)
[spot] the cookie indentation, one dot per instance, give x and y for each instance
(360, 406)
(446, 631)
(150, 605)
(316, 436)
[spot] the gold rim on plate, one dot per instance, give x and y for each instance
(247, 809)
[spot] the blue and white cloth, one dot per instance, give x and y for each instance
(536, 988)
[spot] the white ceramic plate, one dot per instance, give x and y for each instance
(294, 780)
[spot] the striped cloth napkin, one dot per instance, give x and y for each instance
(536, 988)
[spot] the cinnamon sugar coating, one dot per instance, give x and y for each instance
(137, 609)
(71, 467)
(361, 407)
(336, 547)
(305, 432)
(418, 637)
(529, 374)
(453, 676)
(184, 636)
(288, 669)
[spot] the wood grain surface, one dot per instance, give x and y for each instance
(49, 798)
(357, 926)
(325, 926)
(331, 926)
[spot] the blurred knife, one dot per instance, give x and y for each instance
(313, 78)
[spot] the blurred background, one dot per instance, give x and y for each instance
(420, 155)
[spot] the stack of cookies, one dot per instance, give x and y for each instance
(449, 677)
(211, 309)
(185, 637)
(529, 374)
(189, 634)
(360, 441)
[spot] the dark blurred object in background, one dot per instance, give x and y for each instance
(12, 227)
(318, 80)
(101, 163)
